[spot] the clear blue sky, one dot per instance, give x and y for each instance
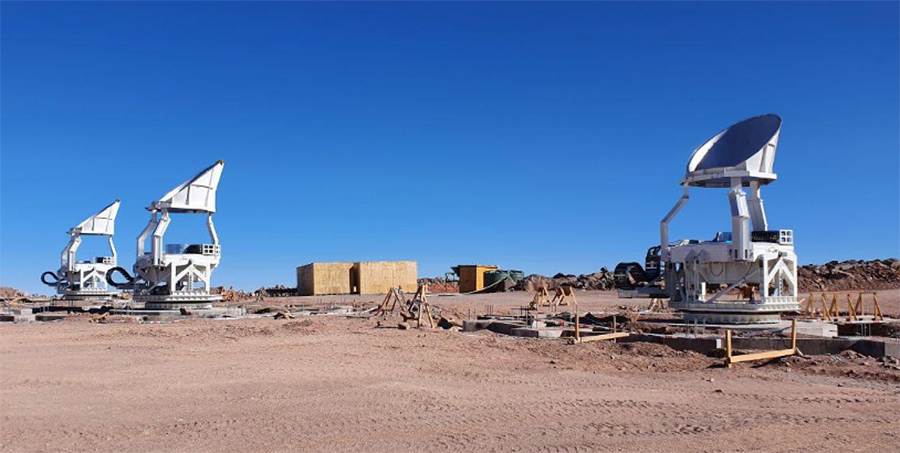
(545, 137)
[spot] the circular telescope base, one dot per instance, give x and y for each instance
(735, 312)
(168, 302)
(87, 296)
(691, 317)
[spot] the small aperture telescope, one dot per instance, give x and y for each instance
(177, 275)
(86, 280)
(747, 275)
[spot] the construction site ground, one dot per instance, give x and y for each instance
(333, 383)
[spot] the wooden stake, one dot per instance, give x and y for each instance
(876, 310)
(614, 328)
(577, 326)
(728, 360)
(794, 335)
(808, 309)
(826, 312)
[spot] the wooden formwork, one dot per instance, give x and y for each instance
(378, 277)
(833, 311)
(731, 359)
(316, 279)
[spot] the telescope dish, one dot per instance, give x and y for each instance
(745, 150)
(101, 223)
(197, 194)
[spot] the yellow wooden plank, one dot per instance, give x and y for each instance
(762, 355)
(605, 336)
(731, 359)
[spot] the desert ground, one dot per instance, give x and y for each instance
(333, 383)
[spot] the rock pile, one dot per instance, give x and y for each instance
(850, 275)
(601, 281)
(230, 294)
(440, 285)
(7, 292)
(277, 291)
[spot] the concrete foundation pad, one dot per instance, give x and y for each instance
(529, 332)
(821, 346)
(808, 346)
(16, 318)
(813, 328)
(475, 325)
(52, 316)
(705, 343)
(804, 327)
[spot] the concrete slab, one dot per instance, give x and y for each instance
(813, 328)
(701, 344)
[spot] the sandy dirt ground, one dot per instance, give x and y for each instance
(330, 383)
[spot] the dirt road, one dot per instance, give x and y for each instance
(336, 384)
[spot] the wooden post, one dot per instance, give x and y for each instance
(614, 327)
(794, 335)
(577, 326)
(430, 315)
(728, 348)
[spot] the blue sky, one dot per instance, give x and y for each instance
(545, 137)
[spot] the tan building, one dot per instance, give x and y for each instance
(364, 277)
(324, 278)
